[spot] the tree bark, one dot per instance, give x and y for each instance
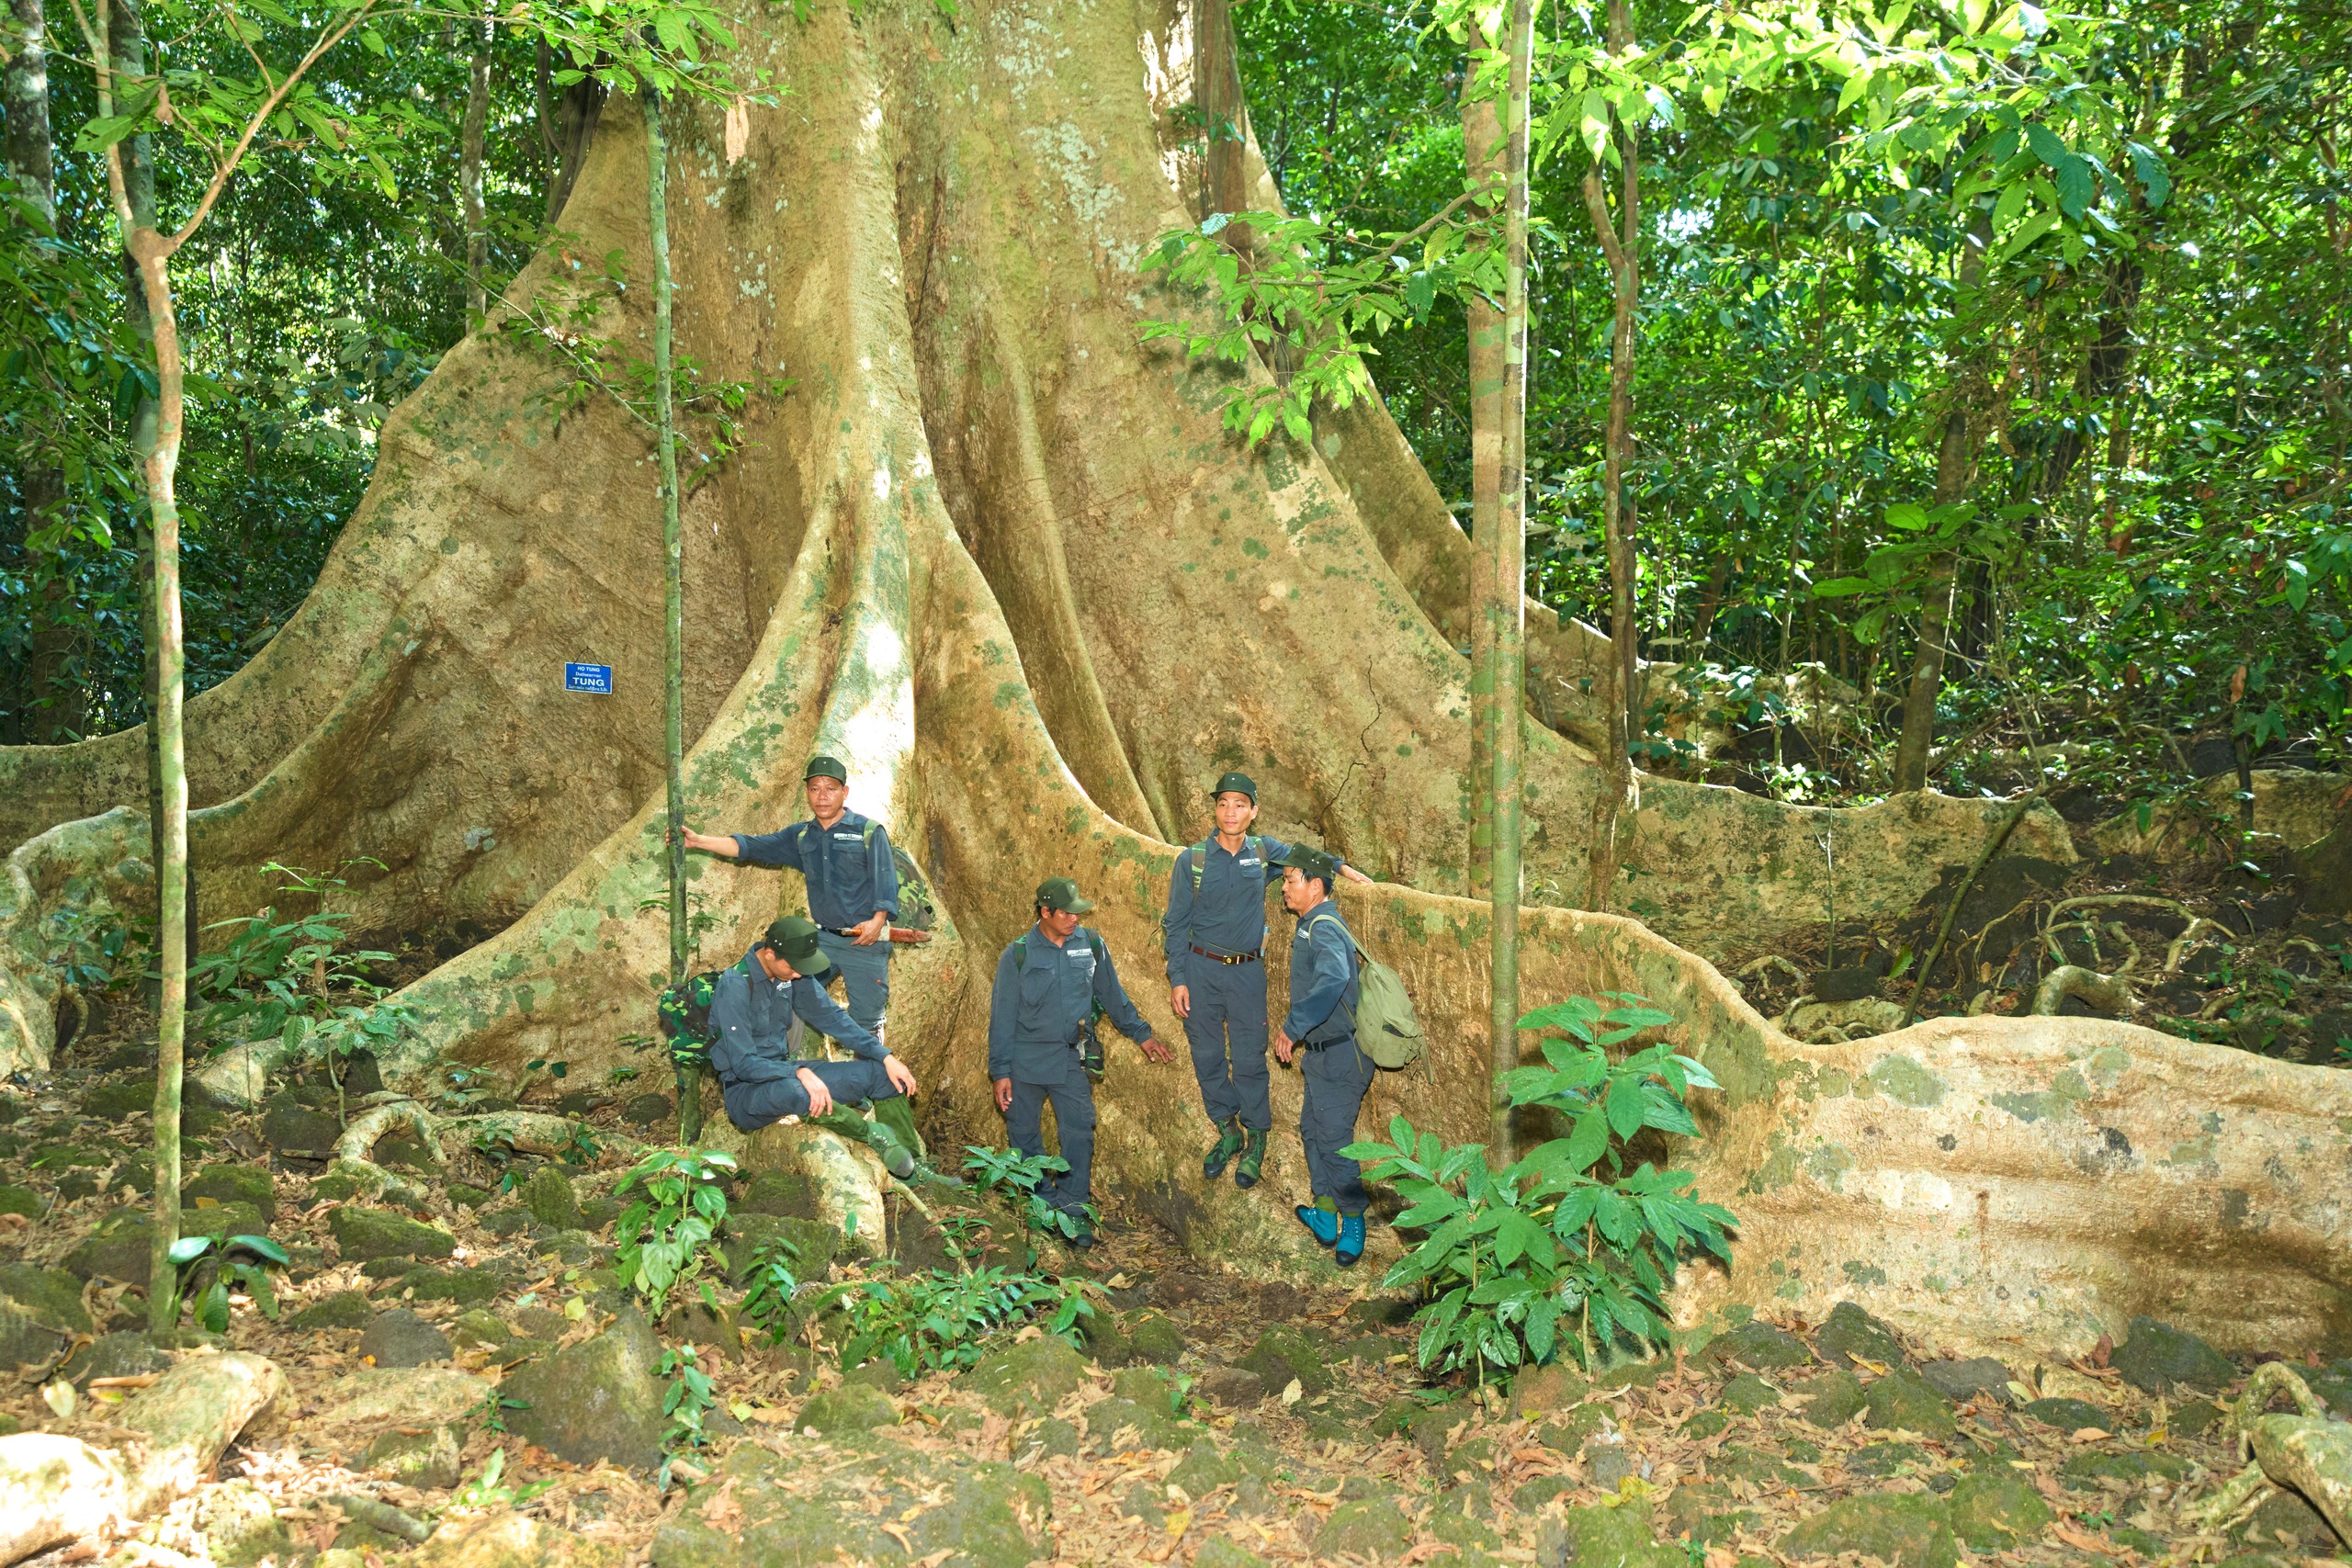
(567, 127)
(470, 161)
(674, 592)
(52, 708)
(1216, 90)
(1955, 458)
(1620, 248)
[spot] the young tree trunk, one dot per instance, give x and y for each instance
(1621, 247)
(1507, 606)
(567, 125)
(1216, 91)
(1954, 458)
(674, 592)
(1485, 155)
(470, 161)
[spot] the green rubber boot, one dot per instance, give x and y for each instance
(897, 1158)
(1254, 1158)
(898, 1113)
(1229, 1141)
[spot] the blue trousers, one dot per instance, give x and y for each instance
(751, 1106)
(1227, 1034)
(1336, 1076)
(1073, 1101)
(865, 978)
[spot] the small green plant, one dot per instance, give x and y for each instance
(207, 1269)
(667, 1235)
(580, 1145)
(492, 1411)
(946, 1321)
(484, 1492)
(556, 1071)
(685, 1404)
(773, 1281)
(1565, 1235)
(1014, 1177)
(93, 950)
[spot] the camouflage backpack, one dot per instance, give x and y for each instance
(683, 1014)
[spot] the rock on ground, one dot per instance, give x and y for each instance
(600, 1399)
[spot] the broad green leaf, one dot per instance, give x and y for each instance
(188, 1248)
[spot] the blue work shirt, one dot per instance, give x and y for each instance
(1228, 914)
(848, 869)
(1043, 995)
(1323, 984)
(749, 1014)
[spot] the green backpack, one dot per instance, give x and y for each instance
(682, 1013)
(1250, 845)
(1387, 1030)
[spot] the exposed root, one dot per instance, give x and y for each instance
(2090, 929)
(531, 1132)
(2179, 950)
(1769, 961)
(2306, 1453)
(2110, 993)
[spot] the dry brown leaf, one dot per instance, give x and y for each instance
(722, 1511)
(899, 1533)
(2089, 1434)
(2082, 1540)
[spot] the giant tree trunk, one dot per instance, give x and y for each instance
(1002, 561)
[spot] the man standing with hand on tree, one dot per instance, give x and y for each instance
(1049, 984)
(1215, 932)
(1324, 988)
(853, 884)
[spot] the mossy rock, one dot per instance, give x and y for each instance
(120, 1101)
(1747, 1393)
(2069, 1414)
(2156, 1357)
(1035, 1375)
(21, 1201)
(479, 1330)
(804, 1507)
(1993, 1509)
(549, 1197)
(1759, 1347)
(850, 1407)
(815, 1244)
(1567, 1432)
(1117, 1424)
(1705, 1424)
(51, 1297)
(1152, 1340)
(1539, 1391)
(1834, 1399)
(2132, 1469)
(1203, 1469)
(595, 1213)
(468, 1196)
(1880, 1460)
(1705, 1513)
(507, 1222)
(597, 1399)
(220, 1220)
(2197, 1416)
(1600, 1537)
(1222, 1552)
(1370, 1526)
(337, 1188)
(1911, 1528)
(345, 1309)
(1903, 1401)
(427, 1460)
(1283, 1353)
(467, 1287)
(239, 1526)
(234, 1184)
(1106, 1342)
(59, 1157)
(1851, 1333)
(782, 1192)
(118, 1249)
(1458, 1528)
(123, 1355)
(364, 1233)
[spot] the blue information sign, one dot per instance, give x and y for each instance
(596, 677)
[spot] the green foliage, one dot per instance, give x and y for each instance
(485, 1493)
(1014, 1179)
(769, 1289)
(666, 1233)
(1566, 1248)
(94, 951)
(945, 1321)
(686, 1400)
(206, 1269)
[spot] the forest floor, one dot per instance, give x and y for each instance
(465, 1355)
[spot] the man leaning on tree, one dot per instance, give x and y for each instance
(1215, 934)
(853, 884)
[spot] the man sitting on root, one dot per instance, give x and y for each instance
(750, 1013)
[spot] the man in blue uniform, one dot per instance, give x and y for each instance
(751, 1008)
(1048, 983)
(1215, 933)
(1321, 1026)
(853, 884)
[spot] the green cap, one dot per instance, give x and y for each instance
(794, 938)
(1060, 893)
(1241, 782)
(825, 768)
(1312, 861)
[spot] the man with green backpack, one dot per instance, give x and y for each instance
(1215, 935)
(1348, 1016)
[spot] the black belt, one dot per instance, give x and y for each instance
(1227, 957)
(1326, 1044)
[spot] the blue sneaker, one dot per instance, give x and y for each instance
(1350, 1239)
(1320, 1223)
